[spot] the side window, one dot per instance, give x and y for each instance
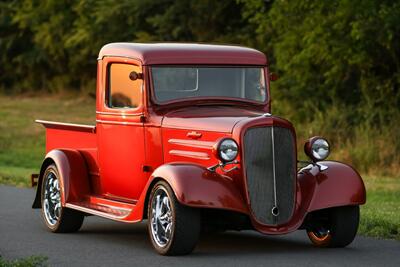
(122, 92)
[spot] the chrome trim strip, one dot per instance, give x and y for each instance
(273, 163)
(192, 143)
(67, 126)
(190, 154)
(64, 124)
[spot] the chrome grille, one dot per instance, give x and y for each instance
(269, 158)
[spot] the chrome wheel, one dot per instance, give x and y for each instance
(161, 217)
(52, 199)
(334, 227)
(321, 232)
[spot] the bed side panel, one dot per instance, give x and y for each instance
(82, 141)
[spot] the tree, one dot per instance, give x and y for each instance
(333, 53)
(53, 44)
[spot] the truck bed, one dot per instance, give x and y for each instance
(79, 137)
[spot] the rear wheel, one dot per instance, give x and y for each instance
(334, 227)
(173, 228)
(57, 218)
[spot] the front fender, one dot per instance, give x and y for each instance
(196, 186)
(339, 185)
(73, 174)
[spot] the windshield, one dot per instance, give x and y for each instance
(178, 82)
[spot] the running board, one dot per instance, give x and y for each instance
(102, 207)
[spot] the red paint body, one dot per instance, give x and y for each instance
(108, 169)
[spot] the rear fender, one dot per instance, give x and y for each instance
(196, 186)
(73, 174)
(339, 185)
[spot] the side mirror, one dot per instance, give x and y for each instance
(134, 75)
(273, 76)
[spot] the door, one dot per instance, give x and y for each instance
(120, 130)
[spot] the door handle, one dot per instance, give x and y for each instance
(194, 134)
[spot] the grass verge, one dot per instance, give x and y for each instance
(32, 261)
(380, 216)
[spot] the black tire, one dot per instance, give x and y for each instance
(186, 226)
(68, 220)
(339, 223)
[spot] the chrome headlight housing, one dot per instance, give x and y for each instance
(317, 148)
(227, 150)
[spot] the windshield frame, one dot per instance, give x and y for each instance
(210, 99)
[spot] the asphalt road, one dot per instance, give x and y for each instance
(102, 242)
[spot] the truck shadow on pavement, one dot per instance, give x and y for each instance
(227, 243)
(249, 243)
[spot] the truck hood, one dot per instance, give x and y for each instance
(208, 118)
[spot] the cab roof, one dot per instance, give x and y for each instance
(184, 53)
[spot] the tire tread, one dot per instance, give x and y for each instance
(345, 221)
(187, 226)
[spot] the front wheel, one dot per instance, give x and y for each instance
(173, 228)
(334, 227)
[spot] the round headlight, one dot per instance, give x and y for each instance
(317, 148)
(227, 150)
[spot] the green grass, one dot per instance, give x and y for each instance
(22, 144)
(32, 261)
(17, 176)
(380, 216)
(22, 141)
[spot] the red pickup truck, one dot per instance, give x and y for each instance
(184, 138)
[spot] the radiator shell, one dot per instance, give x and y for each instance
(269, 150)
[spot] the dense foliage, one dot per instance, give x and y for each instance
(339, 60)
(53, 44)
